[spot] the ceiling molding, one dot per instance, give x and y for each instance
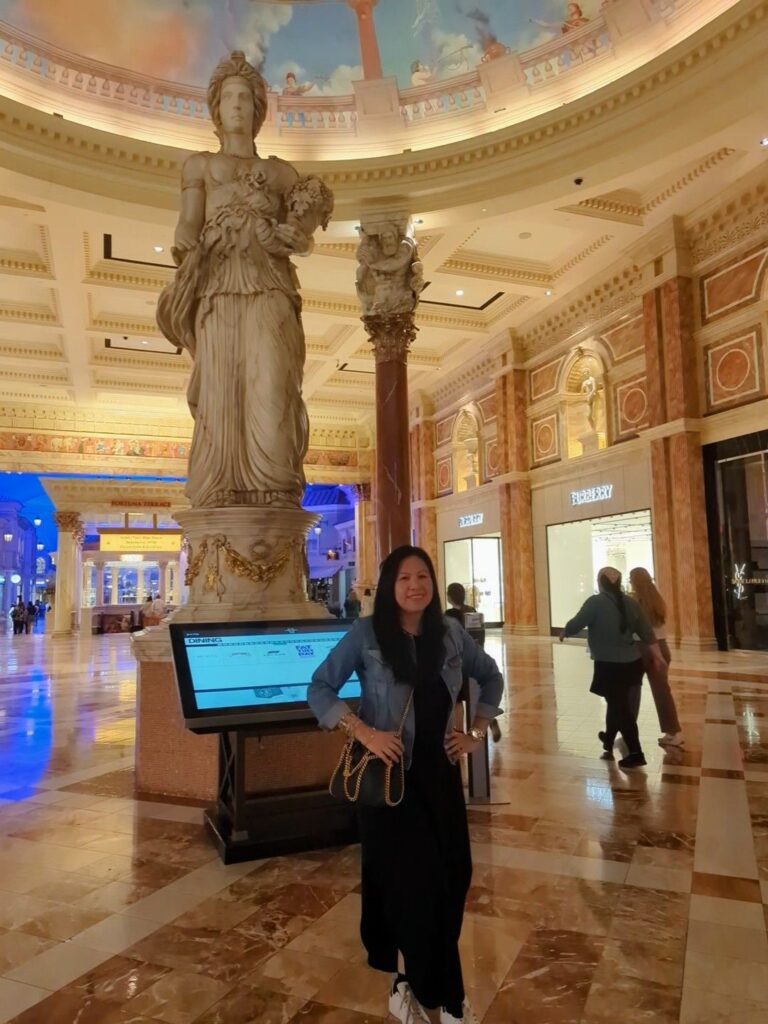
(29, 313)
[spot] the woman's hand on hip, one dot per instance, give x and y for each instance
(458, 743)
(385, 745)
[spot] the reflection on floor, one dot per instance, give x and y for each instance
(597, 895)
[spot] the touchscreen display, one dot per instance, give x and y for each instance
(258, 669)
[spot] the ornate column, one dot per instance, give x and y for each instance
(389, 280)
(365, 539)
(114, 572)
(171, 576)
(99, 584)
(162, 579)
(369, 44)
(681, 552)
(423, 478)
(515, 499)
(68, 569)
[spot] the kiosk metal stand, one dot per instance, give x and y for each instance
(246, 825)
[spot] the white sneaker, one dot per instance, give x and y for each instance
(468, 1016)
(672, 740)
(404, 1006)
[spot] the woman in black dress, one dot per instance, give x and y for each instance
(416, 860)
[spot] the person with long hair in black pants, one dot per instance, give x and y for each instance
(416, 860)
(613, 620)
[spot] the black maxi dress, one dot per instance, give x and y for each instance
(416, 860)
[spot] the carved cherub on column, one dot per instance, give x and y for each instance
(390, 275)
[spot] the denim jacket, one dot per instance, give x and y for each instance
(383, 698)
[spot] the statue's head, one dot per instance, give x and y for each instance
(237, 96)
(389, 240)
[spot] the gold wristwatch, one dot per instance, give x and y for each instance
(476, 734)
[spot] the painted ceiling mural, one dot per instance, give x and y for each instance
(317, 42)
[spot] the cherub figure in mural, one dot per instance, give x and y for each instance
(575, 18)
(292, 87)
(421, 74)
(390, 275)
(234, 304)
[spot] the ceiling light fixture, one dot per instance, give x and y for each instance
(145, 343)
(764, 142)
(38, 522)
(159, 248)
(548, 292)
(40, 547)
(459, 292)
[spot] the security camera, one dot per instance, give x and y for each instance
(578, 181)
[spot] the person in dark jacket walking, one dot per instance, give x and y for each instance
(612, 621)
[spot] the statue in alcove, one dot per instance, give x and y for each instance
(585, 409)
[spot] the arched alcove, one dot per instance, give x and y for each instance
(466, 449)
(584, 403)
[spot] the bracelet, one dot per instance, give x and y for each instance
(347, 723)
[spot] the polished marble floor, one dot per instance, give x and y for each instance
(597, 895)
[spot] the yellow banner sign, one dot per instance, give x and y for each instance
(142, 542)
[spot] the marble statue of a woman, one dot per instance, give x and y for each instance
(234, 304)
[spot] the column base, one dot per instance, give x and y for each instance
(696, 644)
(515, 629)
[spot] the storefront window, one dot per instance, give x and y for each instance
(744, 517)
(577, 551)
(476, 564)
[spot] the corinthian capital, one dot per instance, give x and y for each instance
(391, 336)
(70, 522)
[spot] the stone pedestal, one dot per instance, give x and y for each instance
(243, 564)
(246, 563)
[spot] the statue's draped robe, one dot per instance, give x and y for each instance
(235, 307)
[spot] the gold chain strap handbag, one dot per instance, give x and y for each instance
(362, 778)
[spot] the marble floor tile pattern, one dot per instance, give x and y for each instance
(597, 894)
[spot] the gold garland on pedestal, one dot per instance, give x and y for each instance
(256, 570)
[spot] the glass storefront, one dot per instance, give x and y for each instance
(577, 551)
(475, 562)
(739, 541)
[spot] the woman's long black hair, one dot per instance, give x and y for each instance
(396, 647)
(614, 589)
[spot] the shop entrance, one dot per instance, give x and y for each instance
(475, 562)
(577, 551)
(740, 576)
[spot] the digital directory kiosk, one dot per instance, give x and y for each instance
(248, 681)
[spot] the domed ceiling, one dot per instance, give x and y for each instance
(317, 40)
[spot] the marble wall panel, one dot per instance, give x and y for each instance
(544, 379)
(733, 286)
(734, 370)
(626, 339)
(444, 429)
(490, 459)
(444, 475)
(545, 439)
(631, 411)
(487, 406)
